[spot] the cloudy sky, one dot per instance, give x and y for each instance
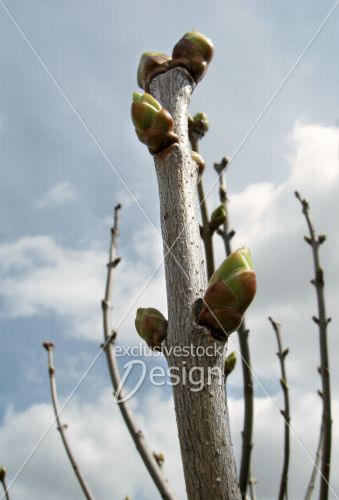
(69, 154)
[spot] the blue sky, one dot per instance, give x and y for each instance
(59, 162)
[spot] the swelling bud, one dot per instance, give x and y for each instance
(151, 326)
(151, 64)
(153, 124)
(218, 217)
(194, 52)
(230, 362)
(230, 291)
(199, 161)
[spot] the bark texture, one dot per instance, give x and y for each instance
(202, 416)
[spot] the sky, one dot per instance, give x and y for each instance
(69, 153)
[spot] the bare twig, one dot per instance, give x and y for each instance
(247, 433)
(3, 482)
(206, 231)
(49, 346)
(136, 434)
(311, 484)
(282, 353)
(322, 321)
(251, 484)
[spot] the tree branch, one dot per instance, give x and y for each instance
(49, 346)
(3, 482)
(206, 231)
(247, 432)
(282, 353)
(202, 416)
(109, 336)
(322, 321)
(311, 484)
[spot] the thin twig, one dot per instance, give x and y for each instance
(49, 346)
(3, 482)
(251, 483)
(109, 336)
(243, 332)
(206, 231)
(311, 484)
(322, 321)
(282, 353)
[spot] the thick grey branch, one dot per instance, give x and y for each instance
(247, 432)
(134, 430)
(202, 415)
(322, 322)
(62, 427)
(282, 353)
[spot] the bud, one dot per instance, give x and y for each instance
(198, 159)
(151, 325)
(201, 125)
(230, 363)
(2, 474)
(218, 217)
(230, 291)
(153, 124)
(193, 51)
(151, 64)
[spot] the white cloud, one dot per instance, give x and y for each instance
(102, 447)
(59, 195)
(107, 456)
(40, 276)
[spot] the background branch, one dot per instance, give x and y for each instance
(322, 321)
(247, 432)
(206, 231)
(311, 484)
(282, 353)
(49, 346)
(137, 435)
(3, 482)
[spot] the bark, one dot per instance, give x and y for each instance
(202, 416)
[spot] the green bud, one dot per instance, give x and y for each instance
(230, 291)
(201, 123)
(151, 325)
(194, 51)
(230, 363)
(2, 474)
(153, 124)
(218, 217)
(151, 64)
(198, 159)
